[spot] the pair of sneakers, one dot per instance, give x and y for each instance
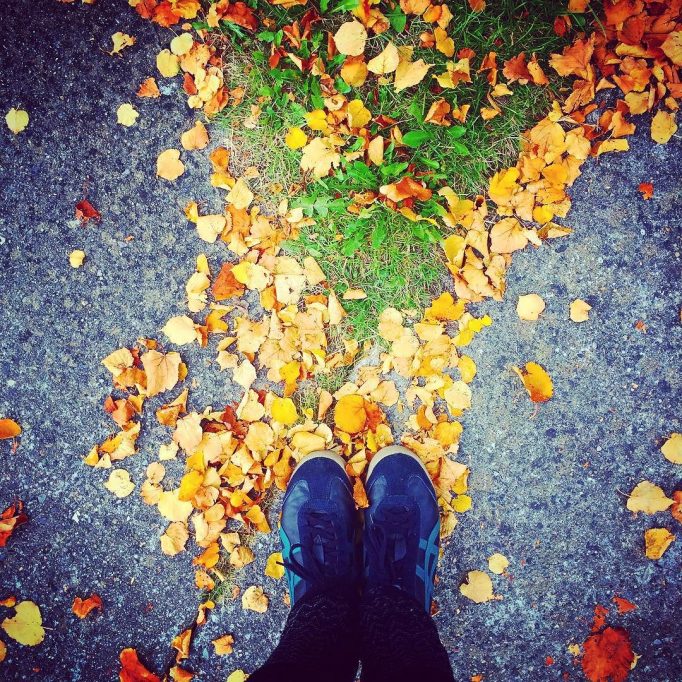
(321, 530)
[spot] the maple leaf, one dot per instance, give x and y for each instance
(607, 655)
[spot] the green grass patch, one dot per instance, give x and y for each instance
(396, 261)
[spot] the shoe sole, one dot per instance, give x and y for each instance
(394, 450)
(324, 454)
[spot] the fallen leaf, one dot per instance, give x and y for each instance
(663, 126)
(169, 166)
(82, 607)
(180, 330)
(359, 494)
(579, 310)
(148, 88)
(236, 676)
(671, 449)
(295, 138)
(530, 306)
(498, 563)
(9, 429)
(478, 587)
(10, 519)
(17, 120)
(240, 196)
(656, 541)
(320, 156)
(162, 371)
(274, 567)
(350, 39)
(254, 599)
(195, 138)
(119, 483)
(284, 411)
(132, 669)
(410, 73)
(85, 211)
(126, 115)
(350, 414)
(181, 44)
(120, 41)
(623, 605)
(76, 258)
(174, 538)
(223, 645)
(168, 64)
(672, 46)
(607, 655)
(648, 498)
(647, 190)
(26, 625)
(536, 381)
(386, 61)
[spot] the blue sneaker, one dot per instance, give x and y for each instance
(402, 524)
(318, 526)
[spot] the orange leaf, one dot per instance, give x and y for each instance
(148, 88)
(86, 211)
(82, 607)
(132, 669)
(647, 189)
(10, 518)
(226, 285)
(608, 655)
(359, 494)
(405, 189)
(9, 429)
(623, 605)
(349, 414)
(537, 382)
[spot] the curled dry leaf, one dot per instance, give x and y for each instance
(119, 483)
(9, 429)
(82, 607)
(536, 381)
(132, 669)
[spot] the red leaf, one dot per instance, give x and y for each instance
(623, 605)
(607, 655)
(82, 607)
(10, 519)
(647, 189)
(86, 211)
(132, 670)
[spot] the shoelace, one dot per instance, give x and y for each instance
(390, 528)
(314, 569)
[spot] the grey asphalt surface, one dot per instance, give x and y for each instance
(548, 487)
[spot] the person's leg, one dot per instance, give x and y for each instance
(318, 529)
(399, 640)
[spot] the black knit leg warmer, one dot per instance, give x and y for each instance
(319, 641)
(399, 640)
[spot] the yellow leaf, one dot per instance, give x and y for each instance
(375, 150)
(461, 503)
(119, 483)
(507, 236)
(349, 414)
(503, 185)
(316, 120)
(180, 330)
(189, 485)
(656, 541)
(536, 381)
(498, 563)
(236, 676)
(254, 599)
(663, 126)
(169, 166)
(672, 46)
(386, 61)
(320, 156)
(175, 538)
(295, 138)
(274, 567)
(444, 308)
(579, 310)
(240, 196)
(26, 626)
(284, 411)
(672, 448)
(121, 40)
(241, 556)
(195, 138)
(209, 227)
(529, 307)
(478, 587)
(467, 368)
(181, 44)
(410, 73)
(17, 120)
(358, 115)
(171, 507)
(76, 258)
(252, 275)
(336, 310)
(168, 64)
(126, 115)
(223, 645)
(648, 498)
(163, 371)
(350, 39)
(354, 71)
(613, 145)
